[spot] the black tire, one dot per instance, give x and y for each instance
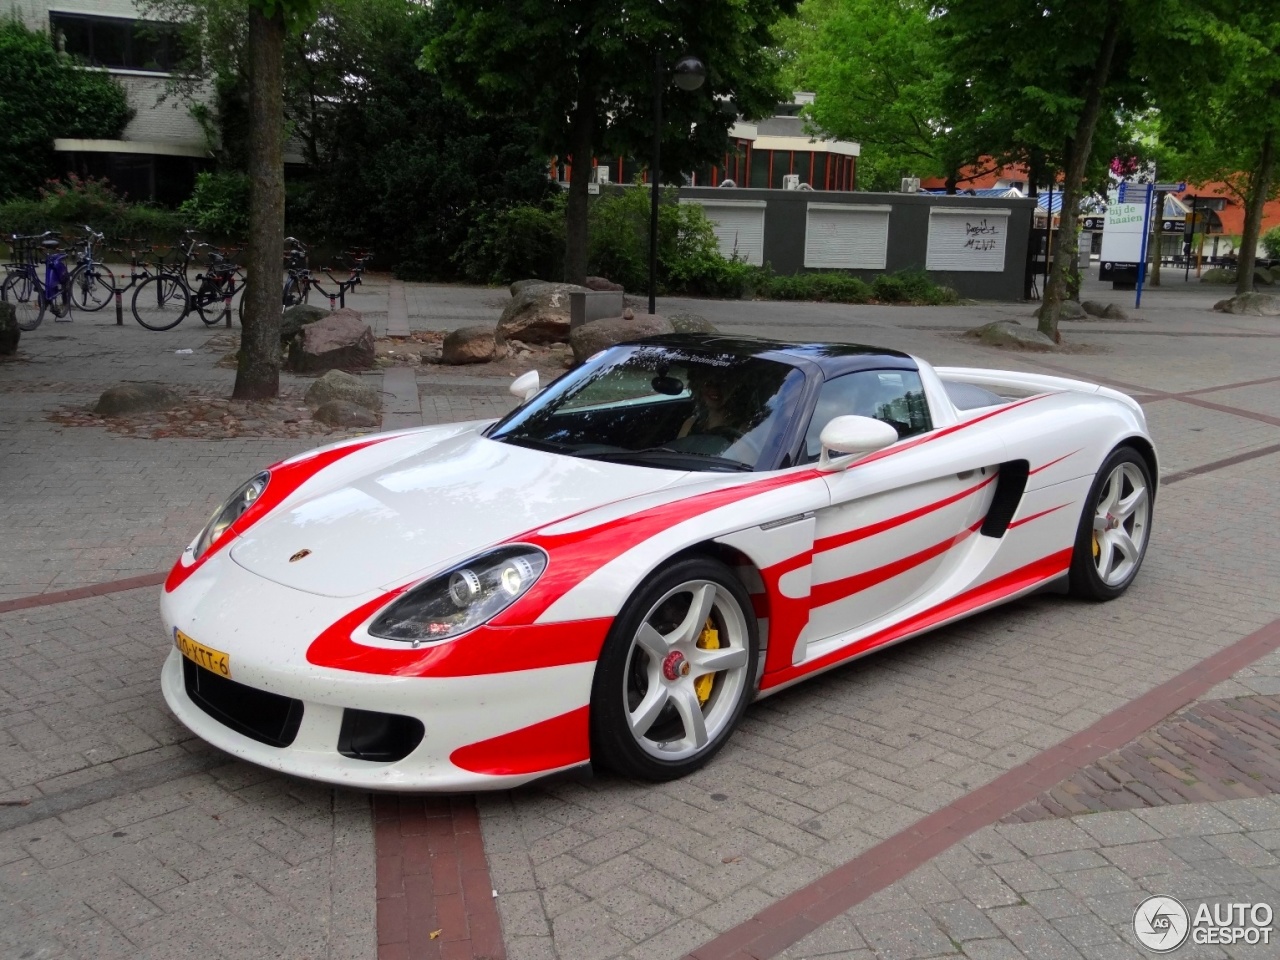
(28, 308)
(1116, 520)
(291, 294)
(161, 302)
(92, 289)
(208, 301)
(659, 694)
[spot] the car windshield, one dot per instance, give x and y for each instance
(661, 406)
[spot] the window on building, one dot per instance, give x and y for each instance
(117, 43)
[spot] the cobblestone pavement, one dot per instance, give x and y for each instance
(151, 842)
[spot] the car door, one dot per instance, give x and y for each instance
(898, 523)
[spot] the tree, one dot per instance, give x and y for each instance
(582, 73)
(880, 75)
(1226, 127)
(46, 95)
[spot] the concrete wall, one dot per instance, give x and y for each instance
(785, 225)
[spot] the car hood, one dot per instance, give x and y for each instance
(417, 514)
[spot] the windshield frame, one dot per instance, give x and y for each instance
(779, 447)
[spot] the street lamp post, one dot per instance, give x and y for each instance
(688, 74)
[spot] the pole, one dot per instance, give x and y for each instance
(1048, 237)
(1142, 258)
(655, 174)
(1191, 239)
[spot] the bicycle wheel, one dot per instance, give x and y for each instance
(292, 296)
(208, 301)
(161, 303)
(28, 311)
(93, 286)
(59, 305)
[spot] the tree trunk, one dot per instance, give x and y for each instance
(575, 248)
(1253, 215)
(1157, 238)
(258, 373)
(1082, 143)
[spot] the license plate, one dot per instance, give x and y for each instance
(202, 656)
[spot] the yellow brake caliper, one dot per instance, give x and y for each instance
(709, 640)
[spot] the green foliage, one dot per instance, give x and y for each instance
(65, 205)
(1271, 243)
(823, 287)
(515, 243)
(219, 205)
(45, 95)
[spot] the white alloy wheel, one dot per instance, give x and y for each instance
(1121, 523)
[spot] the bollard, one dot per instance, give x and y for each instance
(119, 309)
(226, 309)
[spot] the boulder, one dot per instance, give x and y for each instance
(600, 283)
(1115, 312)
(337, 385)
(129, 398)
(1011, 333)
(1071, 310)
(297, 317)
(1265, 275)
(521, 285)
(9, 332)
(340, 341)
(1251, 304)
(470, 345)
(590, 338)
(1093, 308)
(691, 323)
(538, 314)
(344, 413)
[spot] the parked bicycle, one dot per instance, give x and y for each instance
(163, 299)
(93, 286)
(217, 287)
(298, 283)
(32, 297)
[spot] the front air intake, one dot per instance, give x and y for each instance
(378, 737)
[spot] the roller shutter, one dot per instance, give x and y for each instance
(846, 236)
(738, 225)
(967, 240)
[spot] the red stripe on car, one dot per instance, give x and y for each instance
(1037, 516)
(1052, 462)
(562, 741)
(852, 536)
(285, 479)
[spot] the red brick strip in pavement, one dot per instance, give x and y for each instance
(83, 593)
(1214, 750)
(794, 917)
(435, 896)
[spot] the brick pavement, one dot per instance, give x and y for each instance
(591, 867)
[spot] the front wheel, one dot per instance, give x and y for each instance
(1115, 527)
(28, 307)
(161, 302)
(92, 287)
(676, 672)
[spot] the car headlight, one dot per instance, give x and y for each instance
(462, 598)
(231, 511)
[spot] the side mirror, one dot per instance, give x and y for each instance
(856, 435)
(525, 387)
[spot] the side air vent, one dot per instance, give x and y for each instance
(1010, 484)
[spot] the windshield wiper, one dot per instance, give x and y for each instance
(689, 460)
(535, 443)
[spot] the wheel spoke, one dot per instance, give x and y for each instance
(699, 610)
(643, 716)
(1115, 486)
(1106, 554)
(695, 724)
(1123, 543)
(714, 661)
(1126, 507)
(652, 642)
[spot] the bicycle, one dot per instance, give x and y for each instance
(357, 259)
(297, 287)
(93, 286)
(166, 295)
(219, 284)
(22, 283)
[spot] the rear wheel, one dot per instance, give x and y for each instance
(676, 672)
(1115, 527)
(161, 302)
(28, 309)
(92, 287)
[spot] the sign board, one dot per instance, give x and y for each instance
(1134, 192)
(1122, 238)
(1171, 187)
(1092, 222)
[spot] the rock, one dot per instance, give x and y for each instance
(1264, 275)
(590, 338)
(1093, 308)
(344, 413)
(1114, 312)
(9, 332)
(340, 341)
(521, 285)
(537, 314)
(691, 323)
(470, 345)
(1011, 333)
(600, 283)
(337, 385)
(1251, 304)
(297, 317)
(1071, 310)
(136, 398)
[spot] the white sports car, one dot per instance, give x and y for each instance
(614, 570)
